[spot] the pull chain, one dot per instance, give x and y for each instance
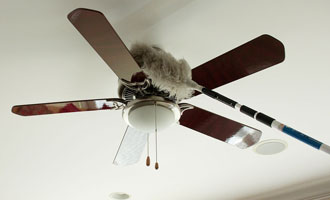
(156, 164)
(148, 157)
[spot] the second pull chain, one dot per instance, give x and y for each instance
(156, 135)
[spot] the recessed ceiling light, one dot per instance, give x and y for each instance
(270, 147)
(119, 196)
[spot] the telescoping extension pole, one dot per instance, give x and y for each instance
(269, 121)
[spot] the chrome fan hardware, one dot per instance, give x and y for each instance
(151, 95)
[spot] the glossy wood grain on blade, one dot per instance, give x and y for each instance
(220, 128)
(66, 107)
(251, 57)
(99, 33)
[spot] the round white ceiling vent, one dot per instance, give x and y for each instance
(270, 147)
(119, 196)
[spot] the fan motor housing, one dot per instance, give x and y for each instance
(147, 114)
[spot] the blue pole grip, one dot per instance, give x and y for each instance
(302, 137)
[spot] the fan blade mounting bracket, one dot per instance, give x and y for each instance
(185, 106)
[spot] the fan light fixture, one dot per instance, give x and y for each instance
(140, 114)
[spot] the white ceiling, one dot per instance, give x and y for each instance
(69, 156)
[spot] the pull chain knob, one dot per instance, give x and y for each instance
(148, 161)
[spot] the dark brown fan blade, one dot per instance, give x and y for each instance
(251, 57)
(220, 128)
(66, 106)
(103, 38)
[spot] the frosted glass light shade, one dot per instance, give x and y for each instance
(141, 114)
(143, 118)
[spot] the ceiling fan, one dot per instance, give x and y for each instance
(152, 85)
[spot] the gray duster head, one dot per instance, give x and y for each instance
(166, 73)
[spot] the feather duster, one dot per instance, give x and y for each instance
(166, 73)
